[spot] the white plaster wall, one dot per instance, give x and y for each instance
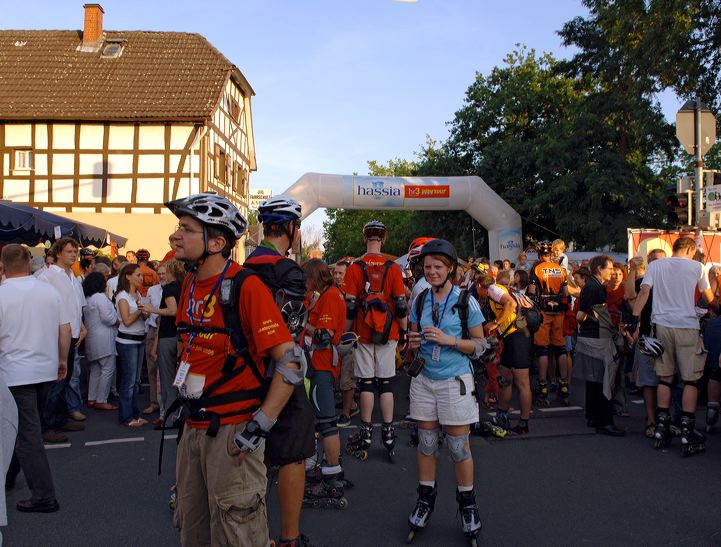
(63, 191)
(150, 190)
(151, 137)
(120, 190)
(179, 136)
(63, 164)
(121, 137)
(90, 190)
(91, 136)
(41, 135)
(16, 190)
(63, 137)
(91, 164)
(120, 163)
(151, 164)
(18, 135)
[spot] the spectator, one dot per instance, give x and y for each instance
(129, 344)
(523, 262)
(65, 399)
(165, 349)
(116, 266)
(8, 435)
(152, 303)
(131, 257)
(34, 345)
(520, 280)
(101, 321)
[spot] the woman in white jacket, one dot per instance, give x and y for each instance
(100, 320)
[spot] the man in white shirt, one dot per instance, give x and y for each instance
(65, 398)
(674, 281)
(34, 341)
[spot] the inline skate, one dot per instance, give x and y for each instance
(564, 392)
(662, 434)
(359, 443)
(540, 395)
(470, 518)
(328, 493)
(692, 442)
(388, 438)
(424, 508)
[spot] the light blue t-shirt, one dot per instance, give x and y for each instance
(452, 362)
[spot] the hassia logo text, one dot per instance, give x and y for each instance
(510, 245)
(378, 189)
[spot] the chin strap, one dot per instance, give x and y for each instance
(442, 285)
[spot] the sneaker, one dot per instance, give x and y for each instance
(343, 420)
(78, 416)
(31, 506)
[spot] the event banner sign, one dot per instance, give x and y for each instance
(392, 193)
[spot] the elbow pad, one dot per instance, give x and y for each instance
(322, 339)
(401, 306)
(292, 376)
(351, 307)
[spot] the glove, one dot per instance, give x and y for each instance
(254, 432)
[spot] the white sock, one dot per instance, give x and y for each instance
(427, 483)
(465, 488)
(331, 470)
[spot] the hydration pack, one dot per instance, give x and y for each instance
(376, 311)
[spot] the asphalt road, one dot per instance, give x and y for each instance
(561, 485)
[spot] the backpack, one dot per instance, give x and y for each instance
(286, 280)
(377, 313)
(461, 306)
(528, 315)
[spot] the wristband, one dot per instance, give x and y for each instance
(263, 421)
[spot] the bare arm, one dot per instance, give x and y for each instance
(509, 306)
(169, 311)
(64, 337)
(126, 317)
(641, 300)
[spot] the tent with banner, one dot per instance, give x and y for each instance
(24, 224)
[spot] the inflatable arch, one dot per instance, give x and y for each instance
(470, 194)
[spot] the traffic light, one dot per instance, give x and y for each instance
(678, 209)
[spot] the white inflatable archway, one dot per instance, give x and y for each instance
(470, 194)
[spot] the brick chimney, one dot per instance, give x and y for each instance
(93, 28)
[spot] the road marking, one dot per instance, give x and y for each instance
(560, 408)
(172, 436)
(637, 401)
(51, 446)
(116, 441)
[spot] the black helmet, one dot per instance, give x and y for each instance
(544, 247)
(374, 229)
(441, 247)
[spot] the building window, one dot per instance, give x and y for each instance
(112, 50)
(221, 170)
(235, 110)
(23, 160)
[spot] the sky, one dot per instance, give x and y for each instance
(340, 82)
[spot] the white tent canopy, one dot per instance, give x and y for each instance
(470, 194)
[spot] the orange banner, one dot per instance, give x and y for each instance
(426, 192)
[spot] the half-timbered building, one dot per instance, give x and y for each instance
(104, 126)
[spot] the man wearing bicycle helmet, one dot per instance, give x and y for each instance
(229, 327)
(293, 437)
(377, 310)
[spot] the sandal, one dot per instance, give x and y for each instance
(134, 423)
(142, 421)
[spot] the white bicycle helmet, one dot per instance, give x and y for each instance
(212, 210)
(648, 345)
(374, 229)
(279, 210)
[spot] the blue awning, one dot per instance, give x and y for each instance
(24, 224)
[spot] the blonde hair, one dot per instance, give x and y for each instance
(558, 244)
(504, 278)
(176, 269)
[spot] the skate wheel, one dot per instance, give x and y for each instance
(342, 503)
(362, 455)
(171, 506)
(411, 535)
(474, 542)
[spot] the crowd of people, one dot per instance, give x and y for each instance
(260, 365)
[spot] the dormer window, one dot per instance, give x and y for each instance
(112, 49)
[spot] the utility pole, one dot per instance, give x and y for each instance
(699, 160)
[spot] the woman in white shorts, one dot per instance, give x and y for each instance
(442, 388)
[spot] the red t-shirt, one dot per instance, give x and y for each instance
(328, 313)
(355, 286)
(150, 278)
(614, 301)
(262, 326)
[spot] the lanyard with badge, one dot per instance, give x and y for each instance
(435, 307)
(184, 367)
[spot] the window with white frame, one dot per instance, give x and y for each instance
(23, 159)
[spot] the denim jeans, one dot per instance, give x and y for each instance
(72, 396)
(129, 363)
(56, 410)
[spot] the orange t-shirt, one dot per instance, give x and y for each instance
(549, 277)
(262, 326)
(150, 278)
(328, 313)
(355, 286)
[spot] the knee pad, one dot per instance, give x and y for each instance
(502, 382)
(384, 385)
(715, 374)
(558, 351)
(457, 447)
(691, 383)
(669, 385)
(428, 441)
(327, 426)
(367, 385)
(541, 351)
